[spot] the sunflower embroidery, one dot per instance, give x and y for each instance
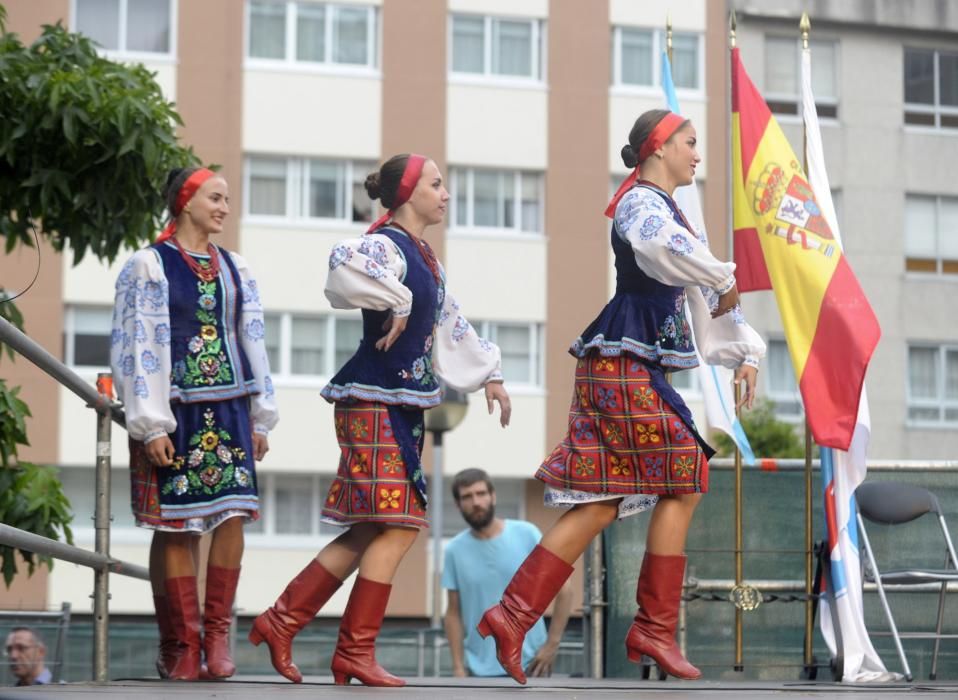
(208, 333)
(389, 498)
(209, 440)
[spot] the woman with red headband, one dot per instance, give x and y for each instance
(413, 335)
(631, 443)
(189, 362)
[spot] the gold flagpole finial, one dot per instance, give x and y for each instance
(805, 25)
(731, 29)
(668, 35)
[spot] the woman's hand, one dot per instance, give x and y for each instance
(394, 326)
(496, 391)
(727, 302)
(160, 452)
(748, 374)
(260, 446)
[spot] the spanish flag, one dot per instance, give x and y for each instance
(783, 242)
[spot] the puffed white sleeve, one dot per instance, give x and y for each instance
(140, 347)
(253, 341)
(368, 273)
(726, 340)
(461, 358)
(665, 250)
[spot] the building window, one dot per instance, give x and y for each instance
(933, 384)
(308, 189)
(521, 348)
(931, 234)
(127, 26)
(783, 71)
(491, 46)
(86, 336)
(497, 199)
(637, 58)
(510, 503)
(931, 88)
(291, 505)
(686, 382)
(79, 486)
(302, 345)
(349, 331)
(312, 33)
(781, 386)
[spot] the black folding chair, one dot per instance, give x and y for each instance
(895, 503)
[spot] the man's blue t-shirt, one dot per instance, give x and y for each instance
(480, 570)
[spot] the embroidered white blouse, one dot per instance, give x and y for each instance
(668, 253)
(460, 357)
(141, 335)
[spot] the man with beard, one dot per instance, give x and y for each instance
(25, 654)
(479, 563)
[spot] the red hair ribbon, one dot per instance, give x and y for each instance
(662, 132)
(410, 177)
(189, 188)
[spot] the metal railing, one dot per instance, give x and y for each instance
(107, 412)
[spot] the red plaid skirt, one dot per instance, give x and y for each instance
(623, 437)
(371, 483)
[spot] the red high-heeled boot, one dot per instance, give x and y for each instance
(184, 611)
(523, 602)
(294, 609)
(355, 655)
(659, 594)
(167, 652)
(217, 617)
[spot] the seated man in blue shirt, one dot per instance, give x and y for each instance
(25, 653)
(479, 563)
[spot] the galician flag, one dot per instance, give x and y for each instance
(716, 382)
(842, 471)
(784, 242)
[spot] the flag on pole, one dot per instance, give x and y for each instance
(784, 242)
(716, 382)
(842, 471)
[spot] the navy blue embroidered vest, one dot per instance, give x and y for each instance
(208, 362)
(403, 375)
(645, 317)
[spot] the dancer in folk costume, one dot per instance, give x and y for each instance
(413, 334)
(189, 363)
(631, 444)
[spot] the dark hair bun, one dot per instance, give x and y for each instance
(629, 157)
(170, 179)
(372, 185)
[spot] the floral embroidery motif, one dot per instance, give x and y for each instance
(154, 294)
(604, 364)
(606, 398)
(681, 432)
(582, 395)
(393, 463)
(374, 269)
(339, 255)
(675, 331)
(360, 463)
(149, 362)
(679, 244)
(209, 462)
(684, 466)
(613, 433)
(250, 291)
(127, 365)
(139, 332)
(460, 329)
(389, 498)
(206, 364)
(140, 389)
(620, 466)
(653, 466)
(255, 330)
(269, 386)
(644, 397)
(583, 431)
(340, 428)
(359, 428)
(584, 466)
(375, 250)
(334, 491)
(162, 334)
(648, 433)
(421, 370)
(651, 226)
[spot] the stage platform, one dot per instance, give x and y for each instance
(249, 688)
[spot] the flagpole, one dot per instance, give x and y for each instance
(668, 37)
(805, 27)
(739, 665)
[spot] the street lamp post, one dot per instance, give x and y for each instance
(439, 420)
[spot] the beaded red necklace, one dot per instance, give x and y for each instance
(207, 271)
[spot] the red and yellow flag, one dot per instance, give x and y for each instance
(783, 242)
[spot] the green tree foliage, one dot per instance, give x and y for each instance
(85, 145)
(768, 436)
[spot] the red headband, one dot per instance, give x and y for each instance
(410, 177)
(662, 132)
(189, 188)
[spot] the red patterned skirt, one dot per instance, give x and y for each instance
(623, 437)
(371, 484)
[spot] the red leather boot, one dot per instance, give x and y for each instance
(166, 658)
(355, 655)
(526, 597)
(295, 607)
(659, 594)
(217, 617)
(184, 611)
